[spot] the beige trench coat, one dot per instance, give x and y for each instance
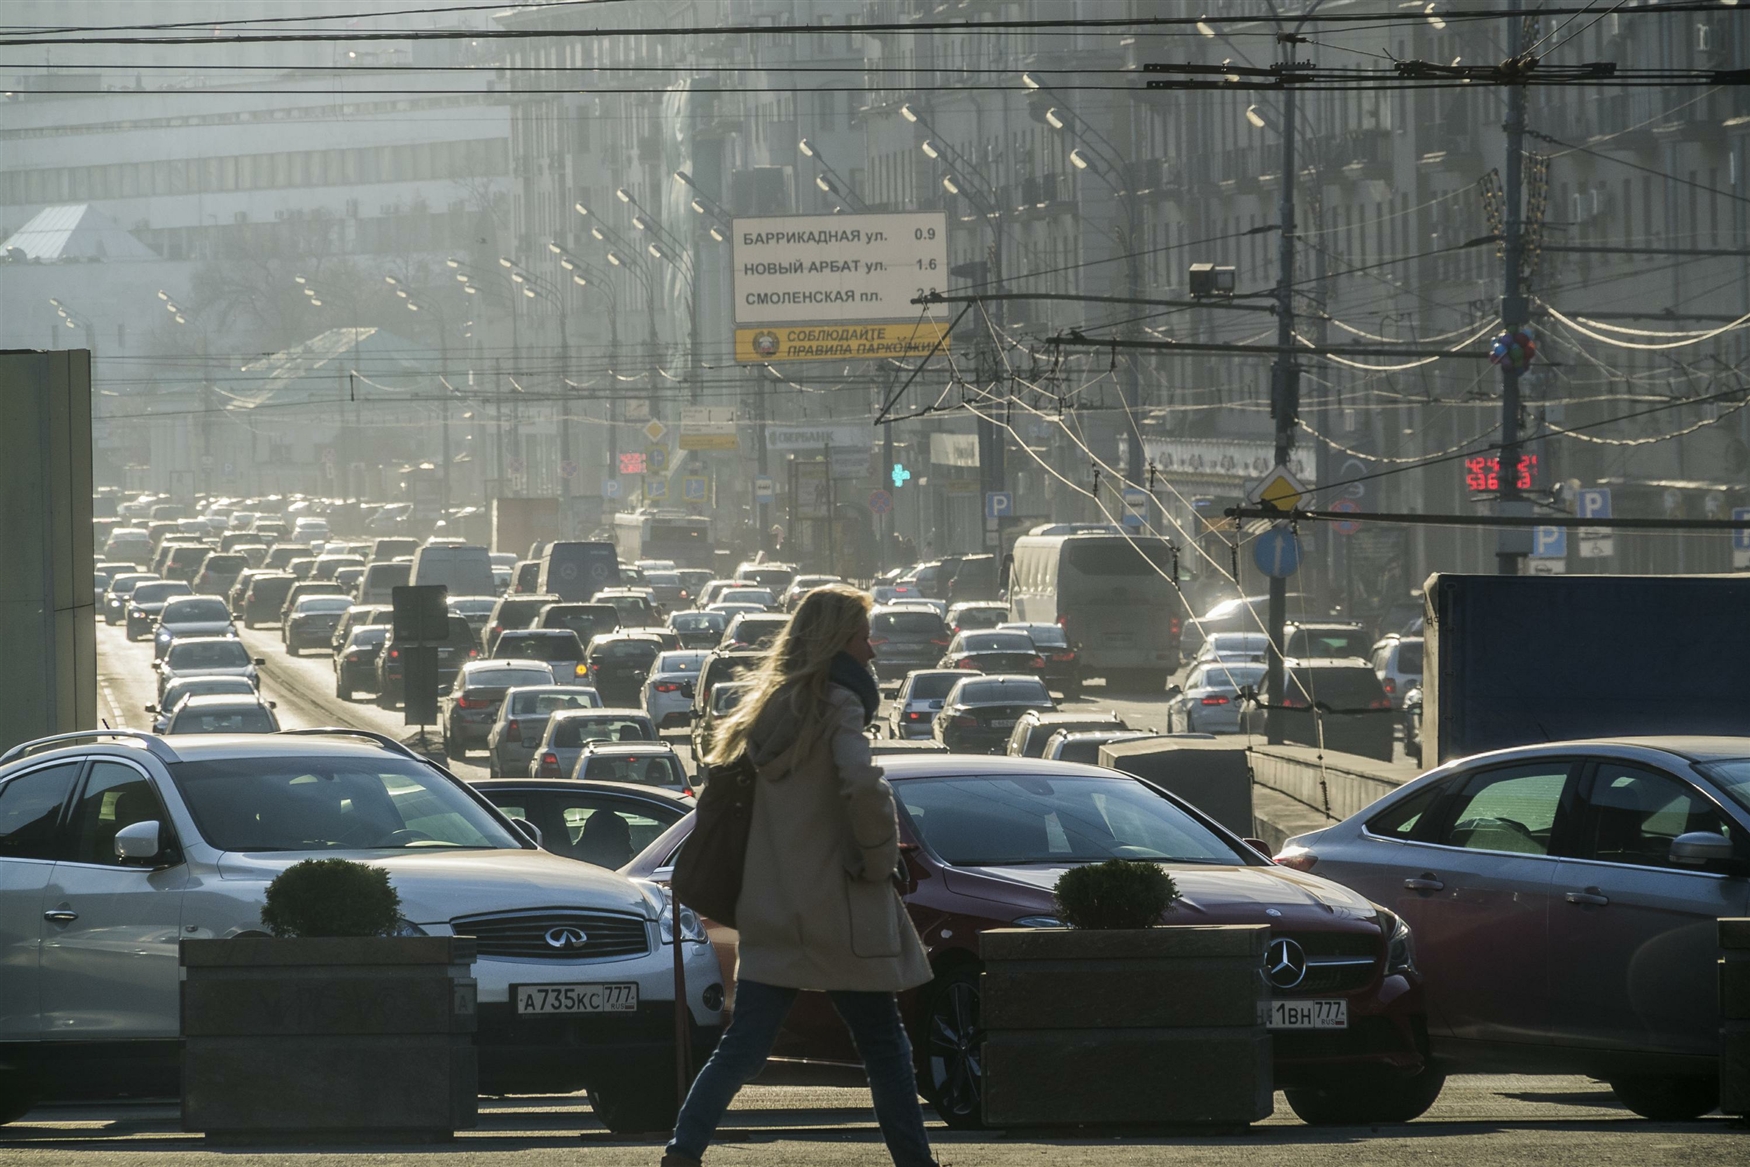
(818, 909)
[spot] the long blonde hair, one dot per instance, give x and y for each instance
(796, 668)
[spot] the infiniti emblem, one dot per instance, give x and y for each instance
(1284, 962)
(564, 938)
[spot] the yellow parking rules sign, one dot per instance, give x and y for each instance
(837, 342)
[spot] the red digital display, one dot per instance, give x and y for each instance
(1483, 472)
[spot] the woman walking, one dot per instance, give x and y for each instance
(818, 909)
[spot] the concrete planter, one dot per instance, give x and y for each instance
(337, 1039)
(1156, 1025)
(1735, 1017)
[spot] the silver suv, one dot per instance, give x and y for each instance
(114, 846)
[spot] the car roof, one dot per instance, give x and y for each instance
(899, 767)
(1334, 625)
(1323, 662)
(212, 700)
(602, 711)
(626, 634)
(549, 633)
(1069, 717)
(493, 664)
(656, 749)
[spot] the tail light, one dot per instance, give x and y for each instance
(667, 687)
(1296, 857)
(1215, 699)
(914, 715)
(472, 702)
(1037, 662)
(942, 642)
(1389, 685)
(964, 662)
(354, 656)
(966, 720)
(1174, 627)
(1063, 621)
(513, 728)
(1063, 656)
(1293, 703)
(1380, 703)
(394, 654)
(473, 652)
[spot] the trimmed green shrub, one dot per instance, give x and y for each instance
(1119, 893)
(331, 897)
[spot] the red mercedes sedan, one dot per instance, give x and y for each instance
(984, 840)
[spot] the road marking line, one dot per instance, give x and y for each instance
(115, 710)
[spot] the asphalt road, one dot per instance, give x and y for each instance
(1494, 1121)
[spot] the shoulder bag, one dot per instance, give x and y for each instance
(708, 872)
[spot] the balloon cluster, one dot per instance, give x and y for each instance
(1517, 348)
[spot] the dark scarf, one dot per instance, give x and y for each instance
(857, 678)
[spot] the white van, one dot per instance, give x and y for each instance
(465, 571)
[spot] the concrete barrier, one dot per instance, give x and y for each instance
(1333, 784)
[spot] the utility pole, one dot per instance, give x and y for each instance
(1285, 384)
(1512, 544)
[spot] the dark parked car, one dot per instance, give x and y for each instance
(993, 652)
(1333, 704)
(980, 712)
(469, 707)
(452, 654)
(265, 598)
(514, 610)
(618, 664)
(147, 600)
(1564, 898)
(558, 648)
(310, 622)
(355, 661)
(987, 838)
(906, 639)
(1063, 660)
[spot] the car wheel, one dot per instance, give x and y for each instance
(1668, 1099)
(341, 688)
(292, 648)
(953, 1075)
(636, 1105)
(1367, 1096)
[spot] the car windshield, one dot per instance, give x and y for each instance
(541, 702)
(1328, 642)
(1042, 635)
(1732, 776)
(1410, 656)
(571, 732)
(208, 654)
(369, 634)
(157, 591)
(933, 686)
(1005, 821)
(627, 650)
(324, 604)
(661, 770)
(195, 612)
(697, 622)
(913, 623)
(632, 609)
(746, 596)
(996, 642)
(180, 689)
(1016, 692)
(566, 647)
(678, 662)
(1232, 677)
(472, 607)
(506, 678)
(348, 803)
(224, 719)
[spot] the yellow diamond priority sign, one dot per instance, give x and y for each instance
(655, 430)
(1280, 489)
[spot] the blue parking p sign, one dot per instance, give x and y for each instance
(999, 504)
(1549, 542)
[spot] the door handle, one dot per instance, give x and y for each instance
(1591, 896)
(1426, 882)
(60, 915)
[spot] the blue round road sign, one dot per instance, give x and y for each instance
(1277, 553)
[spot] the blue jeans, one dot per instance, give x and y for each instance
(875, 1025)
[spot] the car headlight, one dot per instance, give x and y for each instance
(660, 902)
(1400, 950)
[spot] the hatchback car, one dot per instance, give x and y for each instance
(1564, 898)
(265, 597)
(206, 656)
(906, 639)
(1333, 704)
(1035, 726)
(355, 661)
(161, 838)
(980, 712)
(668, 690)
(222, 713)
(984, 840)
(637, 763)
(1068, 745)
(558, 647)
(919, 698)
(1209, 701)
(1397, 662)
(176, 691)
(468, 709)
(310, 622)
(568, 730)
(147, 600)
(703, 630)
(522, 722)
(619, 663)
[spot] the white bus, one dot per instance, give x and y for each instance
(1112, 593)
(664, 534)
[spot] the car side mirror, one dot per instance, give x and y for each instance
(138, 842)
(1698, 848)
(273, 704)
(529, 829)
(1174, 690)
(1261, 847)
(260, 660)
(151, 709)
